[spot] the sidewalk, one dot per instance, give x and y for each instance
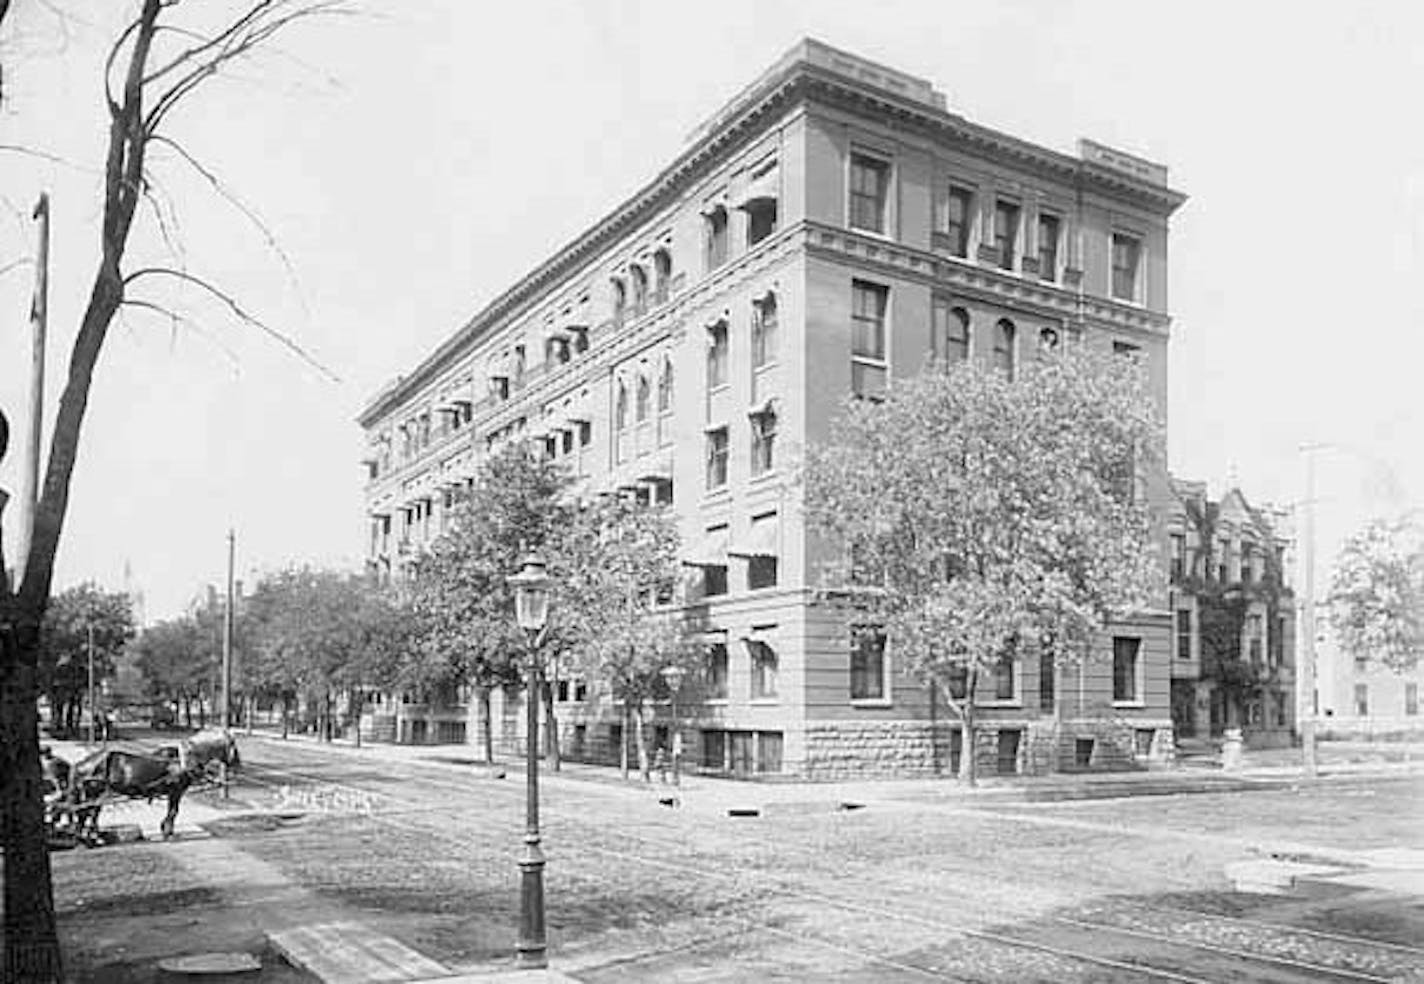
(722, 795)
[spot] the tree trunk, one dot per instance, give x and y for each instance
(356, 707)
(486, 725)
(202, 713)
(643, 768)
(968, 767)
(551, 729)
(286, 716)
(623, 744)
(31, 940)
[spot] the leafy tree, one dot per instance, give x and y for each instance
(614, 565)
(463, 606)
(1377, 594)
(321, 634)
(976, 517)
(64, 646)
(158, 63)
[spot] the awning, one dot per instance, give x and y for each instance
(710, 552)
(764, 187)
(764, 407)
(761, 541)
(655, 470)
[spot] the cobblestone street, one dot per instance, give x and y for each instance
(945, 885)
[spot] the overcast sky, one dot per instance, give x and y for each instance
(415, 162)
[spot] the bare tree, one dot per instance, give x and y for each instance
(158, 63)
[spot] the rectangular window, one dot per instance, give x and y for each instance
(1184, 633)
(1255, 638)
(1046, 690)
(1004, 677)
(1362, 700)
(867, 663)
(1411, 699)
(769, 751)
(1125, 665)
(868, 366)
(764, 666)
(1126, 254)
(869, 180)
(1006, 233)
(1362, 664)
(717, 355)
(717, 458)
(1179, 557)
(717, 671)
(714, 750)
(1048, 227)
(958, 220)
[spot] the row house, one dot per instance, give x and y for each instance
(824, 233)
(1233, 610)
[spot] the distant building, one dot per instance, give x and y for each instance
(824, 232)
(1233, 611)
(1362, 698)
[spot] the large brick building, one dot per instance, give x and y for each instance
(821, 234)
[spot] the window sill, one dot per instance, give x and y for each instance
(715, 702)
(982, 702)
(763, 478)
(872, 233)
(871, 702)
(721, 493)
(1129, 703)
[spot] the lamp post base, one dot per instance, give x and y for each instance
(530, 950)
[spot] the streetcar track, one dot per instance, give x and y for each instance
(779, 888)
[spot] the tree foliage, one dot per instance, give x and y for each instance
(973, 517)
(320, 633)
(65, 640)
(1377, 594)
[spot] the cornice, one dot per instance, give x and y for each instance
(800, 81)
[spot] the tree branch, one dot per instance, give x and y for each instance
(177, 319)
(237, 310)
(247, 211)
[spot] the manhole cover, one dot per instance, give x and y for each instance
(211, 964)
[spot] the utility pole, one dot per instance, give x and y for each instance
(1306, 702)
(39, 319)
(92, 708)
(227, 637)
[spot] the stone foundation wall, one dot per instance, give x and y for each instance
(844, 750)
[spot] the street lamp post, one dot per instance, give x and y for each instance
(672, 675)
(531, 610)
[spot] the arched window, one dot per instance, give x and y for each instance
(662, 275)
(640, 289)
(717, 355)
(620, 300)
(764, 331)
(665, 387)
(716, 242)
(620, 413)
(645, 398)
(1004, 333)
(951, 333)
(1048, 343)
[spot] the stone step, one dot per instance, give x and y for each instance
(350, 953)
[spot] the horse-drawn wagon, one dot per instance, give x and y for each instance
(77, 792)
